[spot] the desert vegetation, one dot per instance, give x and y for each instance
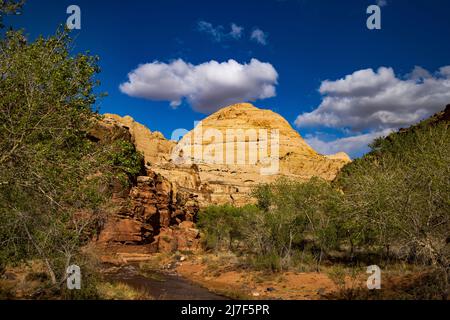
(390, 207)
(54, 180)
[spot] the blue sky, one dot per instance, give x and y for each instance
(297, 45)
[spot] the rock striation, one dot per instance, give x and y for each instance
(218, 181)
(151, 215)
(206, 167)
(155, 148)
(149, 206)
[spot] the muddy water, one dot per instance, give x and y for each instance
(162, 286)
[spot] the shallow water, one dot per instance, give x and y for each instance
(162, 286)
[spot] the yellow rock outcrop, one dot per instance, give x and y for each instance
(153, 145)
(221, 181)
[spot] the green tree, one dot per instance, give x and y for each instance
(294, 213)
(289, 215)
(9, 7)
(398, 196)
(53, 178)
(221, 225)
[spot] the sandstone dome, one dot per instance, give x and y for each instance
(232, 182)
(245, 116)
(295, 155)
(221, 181)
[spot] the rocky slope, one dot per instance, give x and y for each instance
(150, 215)
(153, 145)
(224, 182)
(158, 212)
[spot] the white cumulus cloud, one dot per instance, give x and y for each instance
(354, 146)
(371, 102)
(207, 87)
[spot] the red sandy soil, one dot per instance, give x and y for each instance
(256, 285)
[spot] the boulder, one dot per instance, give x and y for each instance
(124, 231)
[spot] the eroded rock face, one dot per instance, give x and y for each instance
(159, 211)
(184, 237)
(216, 180)
(150, 206)
(150, 215)
(108, 130)
(153, 145)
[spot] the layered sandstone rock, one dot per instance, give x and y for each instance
(151, 215)
(159, 211)
(153, 145)
(217, 180)
(108, 130)
(152, 205)
(182, 237)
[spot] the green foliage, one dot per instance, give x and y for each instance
(400, 193)
(221, 225)
(397, 199)
(289, 216)
(53, 179)
(9, 7)
(293, 216)
(125, 158)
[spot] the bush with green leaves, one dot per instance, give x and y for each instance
(399, 194)
(125, 158)
(397, 197)
(221, 226)
(295, 216)
(291, 220)
(52, 176)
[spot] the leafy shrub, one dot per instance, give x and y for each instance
(295, 216)
(221, 225)
(51, 173)
(289, 216)
(397, 198)
(400, 194)
(125, 159)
